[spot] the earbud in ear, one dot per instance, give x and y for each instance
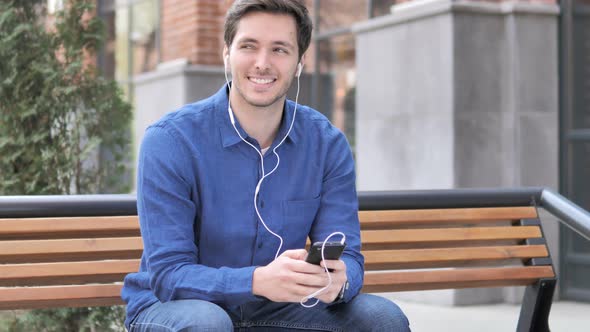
(299, 69)
(225, 60)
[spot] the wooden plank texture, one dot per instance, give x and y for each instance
(71, 249)
(392, 218)
(372, 237)
(59, 296)
(64, 273)
(448, 257)
(67, 227)
(81, 261)
(394, 281)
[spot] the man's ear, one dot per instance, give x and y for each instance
(225, 55)
(300, 66)
(302, 60)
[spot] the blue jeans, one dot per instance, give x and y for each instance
(365, 312)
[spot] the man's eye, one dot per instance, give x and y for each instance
(248, 47)
(280, 50)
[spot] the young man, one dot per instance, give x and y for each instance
(230, 182)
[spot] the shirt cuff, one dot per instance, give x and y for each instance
(239, 286)
(354, 275)
(340, 297)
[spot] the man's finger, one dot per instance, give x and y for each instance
(333, 264)
(298, 254)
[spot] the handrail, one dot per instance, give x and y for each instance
(67, 206)
(565, 210)
(448, 198)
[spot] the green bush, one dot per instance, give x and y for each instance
(64, 129)
(93, 319)
(57, 115)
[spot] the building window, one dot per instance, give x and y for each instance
(132, 44)
(333, 52)
(334, 56)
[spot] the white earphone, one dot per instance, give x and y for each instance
(265, 175)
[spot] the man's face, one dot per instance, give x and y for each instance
(263, 58)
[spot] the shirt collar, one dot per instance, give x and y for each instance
(229, 136)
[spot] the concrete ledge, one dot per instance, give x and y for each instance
(176, 68)
(405, 12)
(506, 8)
(420, 9)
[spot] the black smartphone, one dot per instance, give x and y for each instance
(332, 251)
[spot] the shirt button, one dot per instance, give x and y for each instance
(260, 245)
(261, 204)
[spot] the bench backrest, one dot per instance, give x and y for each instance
(81, 261)
(453, 248)
(66, 262)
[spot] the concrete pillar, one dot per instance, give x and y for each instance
(455, 94)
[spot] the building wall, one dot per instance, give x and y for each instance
(192, 30)
(506, 85)
(404, 103)
(459, 94)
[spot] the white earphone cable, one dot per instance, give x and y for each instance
(264, 174)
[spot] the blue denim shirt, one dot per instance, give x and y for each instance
(196, 180)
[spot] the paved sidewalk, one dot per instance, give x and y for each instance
(565, 316)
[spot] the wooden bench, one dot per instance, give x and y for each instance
(75, 251)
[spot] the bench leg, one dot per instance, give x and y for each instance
(536, 305)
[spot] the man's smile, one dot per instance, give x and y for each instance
(260, 80)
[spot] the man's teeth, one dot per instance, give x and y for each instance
(260, 80)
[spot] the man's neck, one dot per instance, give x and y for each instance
(261, 123)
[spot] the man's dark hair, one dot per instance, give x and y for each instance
(295, 8)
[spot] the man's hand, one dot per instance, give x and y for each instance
(289, 278)
(338, 279)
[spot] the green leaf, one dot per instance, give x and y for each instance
(5, 15)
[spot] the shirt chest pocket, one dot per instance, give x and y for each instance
(298, 217)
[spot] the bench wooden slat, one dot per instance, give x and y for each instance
(440, 257)
(392, 218)
(30, 251)
(89, 295)
(60, 296)
(71, 272)
(81, 261)
(396, 281)
(47, 228)
(400, 236)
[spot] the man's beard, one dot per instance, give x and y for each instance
(264, 103)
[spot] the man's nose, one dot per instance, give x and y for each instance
(262, 60)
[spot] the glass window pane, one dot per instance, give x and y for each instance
(580, 175)
(106, 58)
(580, 279)
(106, 6)
(337, 60)
(383, 7)
(581, 59)
(122, 44)
(143, 36)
